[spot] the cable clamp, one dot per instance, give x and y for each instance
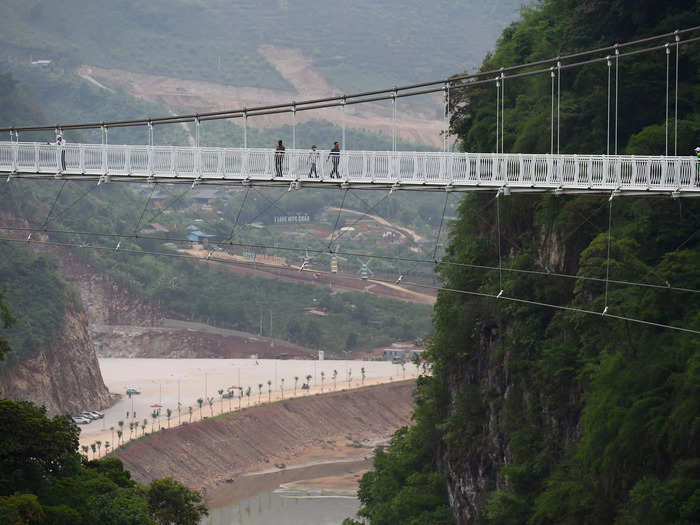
(209, 255)
(119, 243)
(499, 294)
(196, 181)
(399, 279)
(394, 187)
(345, 185)
(29, 237)
(605, 311)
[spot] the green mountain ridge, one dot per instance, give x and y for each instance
(543, 415)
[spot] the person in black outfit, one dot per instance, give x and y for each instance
(279, 159)
(334, 155)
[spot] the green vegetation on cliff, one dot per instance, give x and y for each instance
(546, 416)
(43, 479)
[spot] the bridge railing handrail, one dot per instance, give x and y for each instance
(546, 171)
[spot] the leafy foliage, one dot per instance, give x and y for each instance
(43, 479)
(596, 419)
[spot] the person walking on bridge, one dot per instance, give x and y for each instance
(334, 155)
(60, 143)
(313, 159)
(279, 159)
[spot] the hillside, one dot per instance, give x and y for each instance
(549, 415)
(355, 45)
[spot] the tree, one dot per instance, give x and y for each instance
(171, 503)
(121, 425)
(210, 402)
(119, 437)
(259, 392)
(112, 429)
(99, 447)
(85, 449)
(247, 393)
(154, 416)
(200, 402)
(131, 429)
(308, 382)
(7, 321)
(269, 390)
(240, 396)
(144, 424)
(335, 375)
(221, 393)
(323, 376)
(349, 376)
(282, 387)
(296, 380)
(362, 372)
(189, 410)
(94, 449)
(168, 413)
(107, 447)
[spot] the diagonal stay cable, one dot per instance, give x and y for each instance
(169, 205)
(418, 285)
(55, 201)
(76, 201)
(363, 216)
(340, 210)
(442, 220)
(145, 207)
(238, 215)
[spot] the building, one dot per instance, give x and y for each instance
(395, 355)
(206, 196)
(199, 237)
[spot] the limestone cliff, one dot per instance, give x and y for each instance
(65, 376)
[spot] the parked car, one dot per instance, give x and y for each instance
(81, 420)
(96, 415)
(132, 390)
(229, 394)
(87, 415)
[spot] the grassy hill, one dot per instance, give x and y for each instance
(361, 44)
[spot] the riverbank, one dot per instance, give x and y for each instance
(277, 440)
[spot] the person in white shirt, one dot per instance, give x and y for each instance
(60, 143)
(313, 160)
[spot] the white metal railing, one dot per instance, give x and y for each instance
(459, 170)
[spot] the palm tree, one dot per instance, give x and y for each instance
(168, 413)
(282, 387)
(85, 450)
(221, 393)
(119, 436)
(247, 393)
(296, 380)
(323, 376)
(131, 429)
(112, 429)
(121, 426)
(94, 450)
(99, 447)
(240, 396)
(308, 382)
(144, 425)
(349, 376)
(269, 390)
(200, 402)
(335, 375)
(403, 369)
(107, 446)
(189, 409)
(362, 371)
(179, 407)
(154, 416)
(211, 406)
(259, 392)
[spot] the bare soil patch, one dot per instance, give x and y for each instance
(273, 438)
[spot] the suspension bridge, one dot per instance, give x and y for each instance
(499, 172)
(553, 172)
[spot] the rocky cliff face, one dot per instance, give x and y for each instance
(65, 377)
